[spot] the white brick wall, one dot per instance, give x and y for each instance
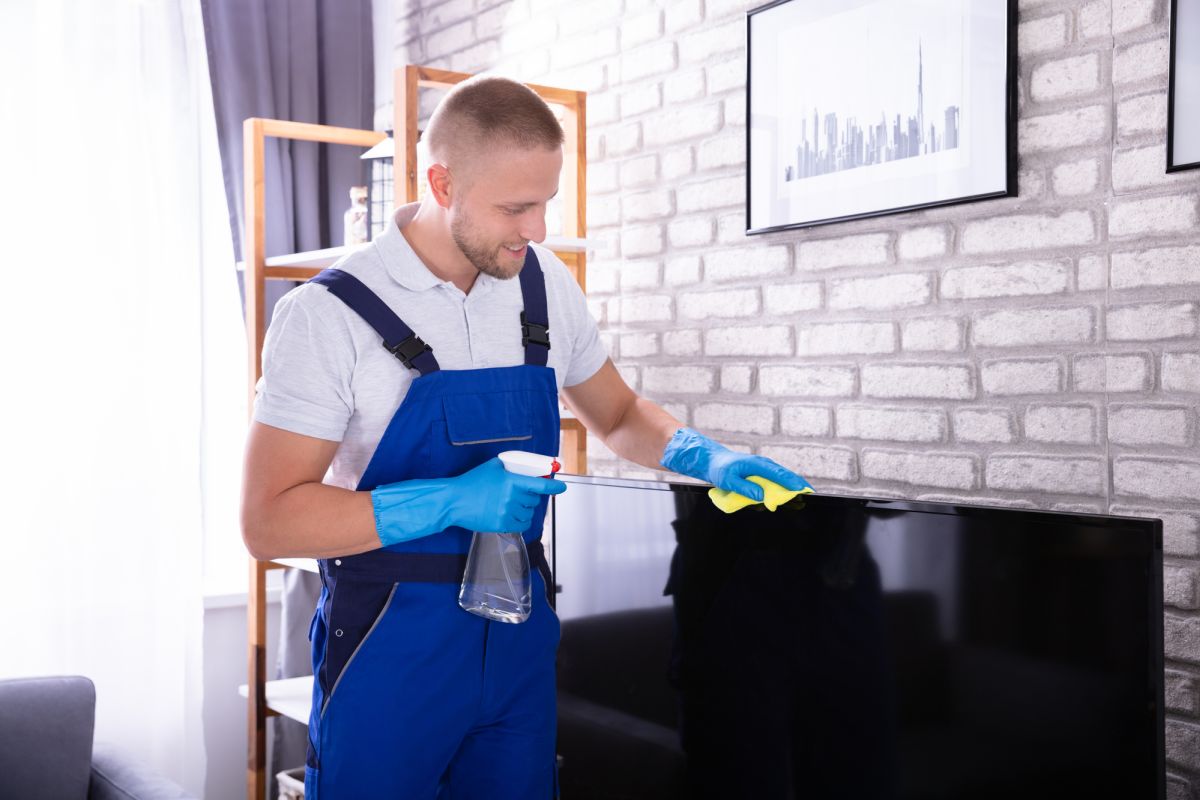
(1037, 351)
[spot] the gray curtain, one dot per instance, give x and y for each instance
(304, 61)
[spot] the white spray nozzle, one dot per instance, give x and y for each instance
(533, 465)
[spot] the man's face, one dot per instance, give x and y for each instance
(503, 207)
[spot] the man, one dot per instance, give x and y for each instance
(380, 460)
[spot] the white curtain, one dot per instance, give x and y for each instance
(121, 379)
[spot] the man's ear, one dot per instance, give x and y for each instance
(440, 184)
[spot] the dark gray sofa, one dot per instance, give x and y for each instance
(46, 748)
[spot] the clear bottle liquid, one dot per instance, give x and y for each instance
(496, 583)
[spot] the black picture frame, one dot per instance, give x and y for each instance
(1191, 53)
(1003, 182)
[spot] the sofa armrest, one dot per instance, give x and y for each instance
(117, 777)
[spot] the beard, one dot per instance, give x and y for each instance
(489, 258)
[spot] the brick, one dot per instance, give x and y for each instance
(1161, 266)
(640, 275)
(630, 375)
(646, 308)
(583, 48)
(847, 251)
(927, 242)
(622, 140)
(1162, 479)
(702, 46)
(634, 172)
(450, 40)
(1182, 692)
(588, 15)
(727, 75)
(1150, 425)
(678, 163)
(647, 60)
(918, 381)
(731, 228)
(984, 425)
(1013, 280)
(645, 240)
(890, 291)
(679, 123)
(1180, 587)
(1038, 35)
(681, 343)
(1024, 473)
(946, 470)
(735, 418)
(1127, 372)
(604, 211)
(1026, 376)
(719, 9)
(690, 231)
(1181, 532)
(1061, 424)
(1181, 638)
(737, 378)
(1151, 321)
(1095, 19)
(1142, 168)
(682, 270)
(646, 206)
(837, 338)
(1035, 326)
(441, 15)
(681, 14)
(1181, 372)
(602, 279)
(792, 298)
(813, 462)
(634, 30)
(1140, 62)
(807, 381)
(1028, 232)
(602, 177)
(1143, 114)
(640, 100)
(741, 263)
(1065, 77)
(639, 345)
(805, 421)
(683, 86)
(943, 334)
(729, 303)
(1091, 274)
(892, 424)
(1031, 183)
(1074, 128)
(1183, 743)
(1153, 215)
(766, 340)
(711, 194)
(1076, 177)
(673, 380)
(721, 151)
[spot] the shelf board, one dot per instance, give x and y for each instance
(290, 697)
(302, 266)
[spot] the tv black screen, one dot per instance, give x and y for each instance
(851, 647)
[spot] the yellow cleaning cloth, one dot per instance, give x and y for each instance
(774, 496)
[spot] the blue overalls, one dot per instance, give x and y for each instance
(414, 697)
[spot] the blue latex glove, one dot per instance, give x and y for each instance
(695, 455)
(488, 498)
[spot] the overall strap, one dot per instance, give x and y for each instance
(535, 319)
(398, 338)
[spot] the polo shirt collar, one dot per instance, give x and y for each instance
(399, 259)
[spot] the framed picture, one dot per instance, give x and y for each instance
(1183, 93)
(858, 108)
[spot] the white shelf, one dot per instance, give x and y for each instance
(306, 564)
(290, 697)
(319, 259)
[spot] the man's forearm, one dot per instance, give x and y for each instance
(642, 433)
(310, 520)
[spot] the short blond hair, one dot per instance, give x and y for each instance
(485, 111)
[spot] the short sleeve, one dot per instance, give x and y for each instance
(308, 363)
(588, 353)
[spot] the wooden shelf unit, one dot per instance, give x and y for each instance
(289, 697)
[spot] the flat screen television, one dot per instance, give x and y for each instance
(845, 647)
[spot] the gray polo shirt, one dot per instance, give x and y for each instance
(326, 374)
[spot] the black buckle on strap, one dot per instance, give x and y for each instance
(535, 333)
(408, 349)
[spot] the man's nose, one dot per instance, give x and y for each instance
(533, 225)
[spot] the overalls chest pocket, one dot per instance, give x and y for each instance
(475, 427)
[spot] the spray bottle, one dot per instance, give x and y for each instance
(496, 582)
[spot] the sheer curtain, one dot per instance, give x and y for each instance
(121, 375)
